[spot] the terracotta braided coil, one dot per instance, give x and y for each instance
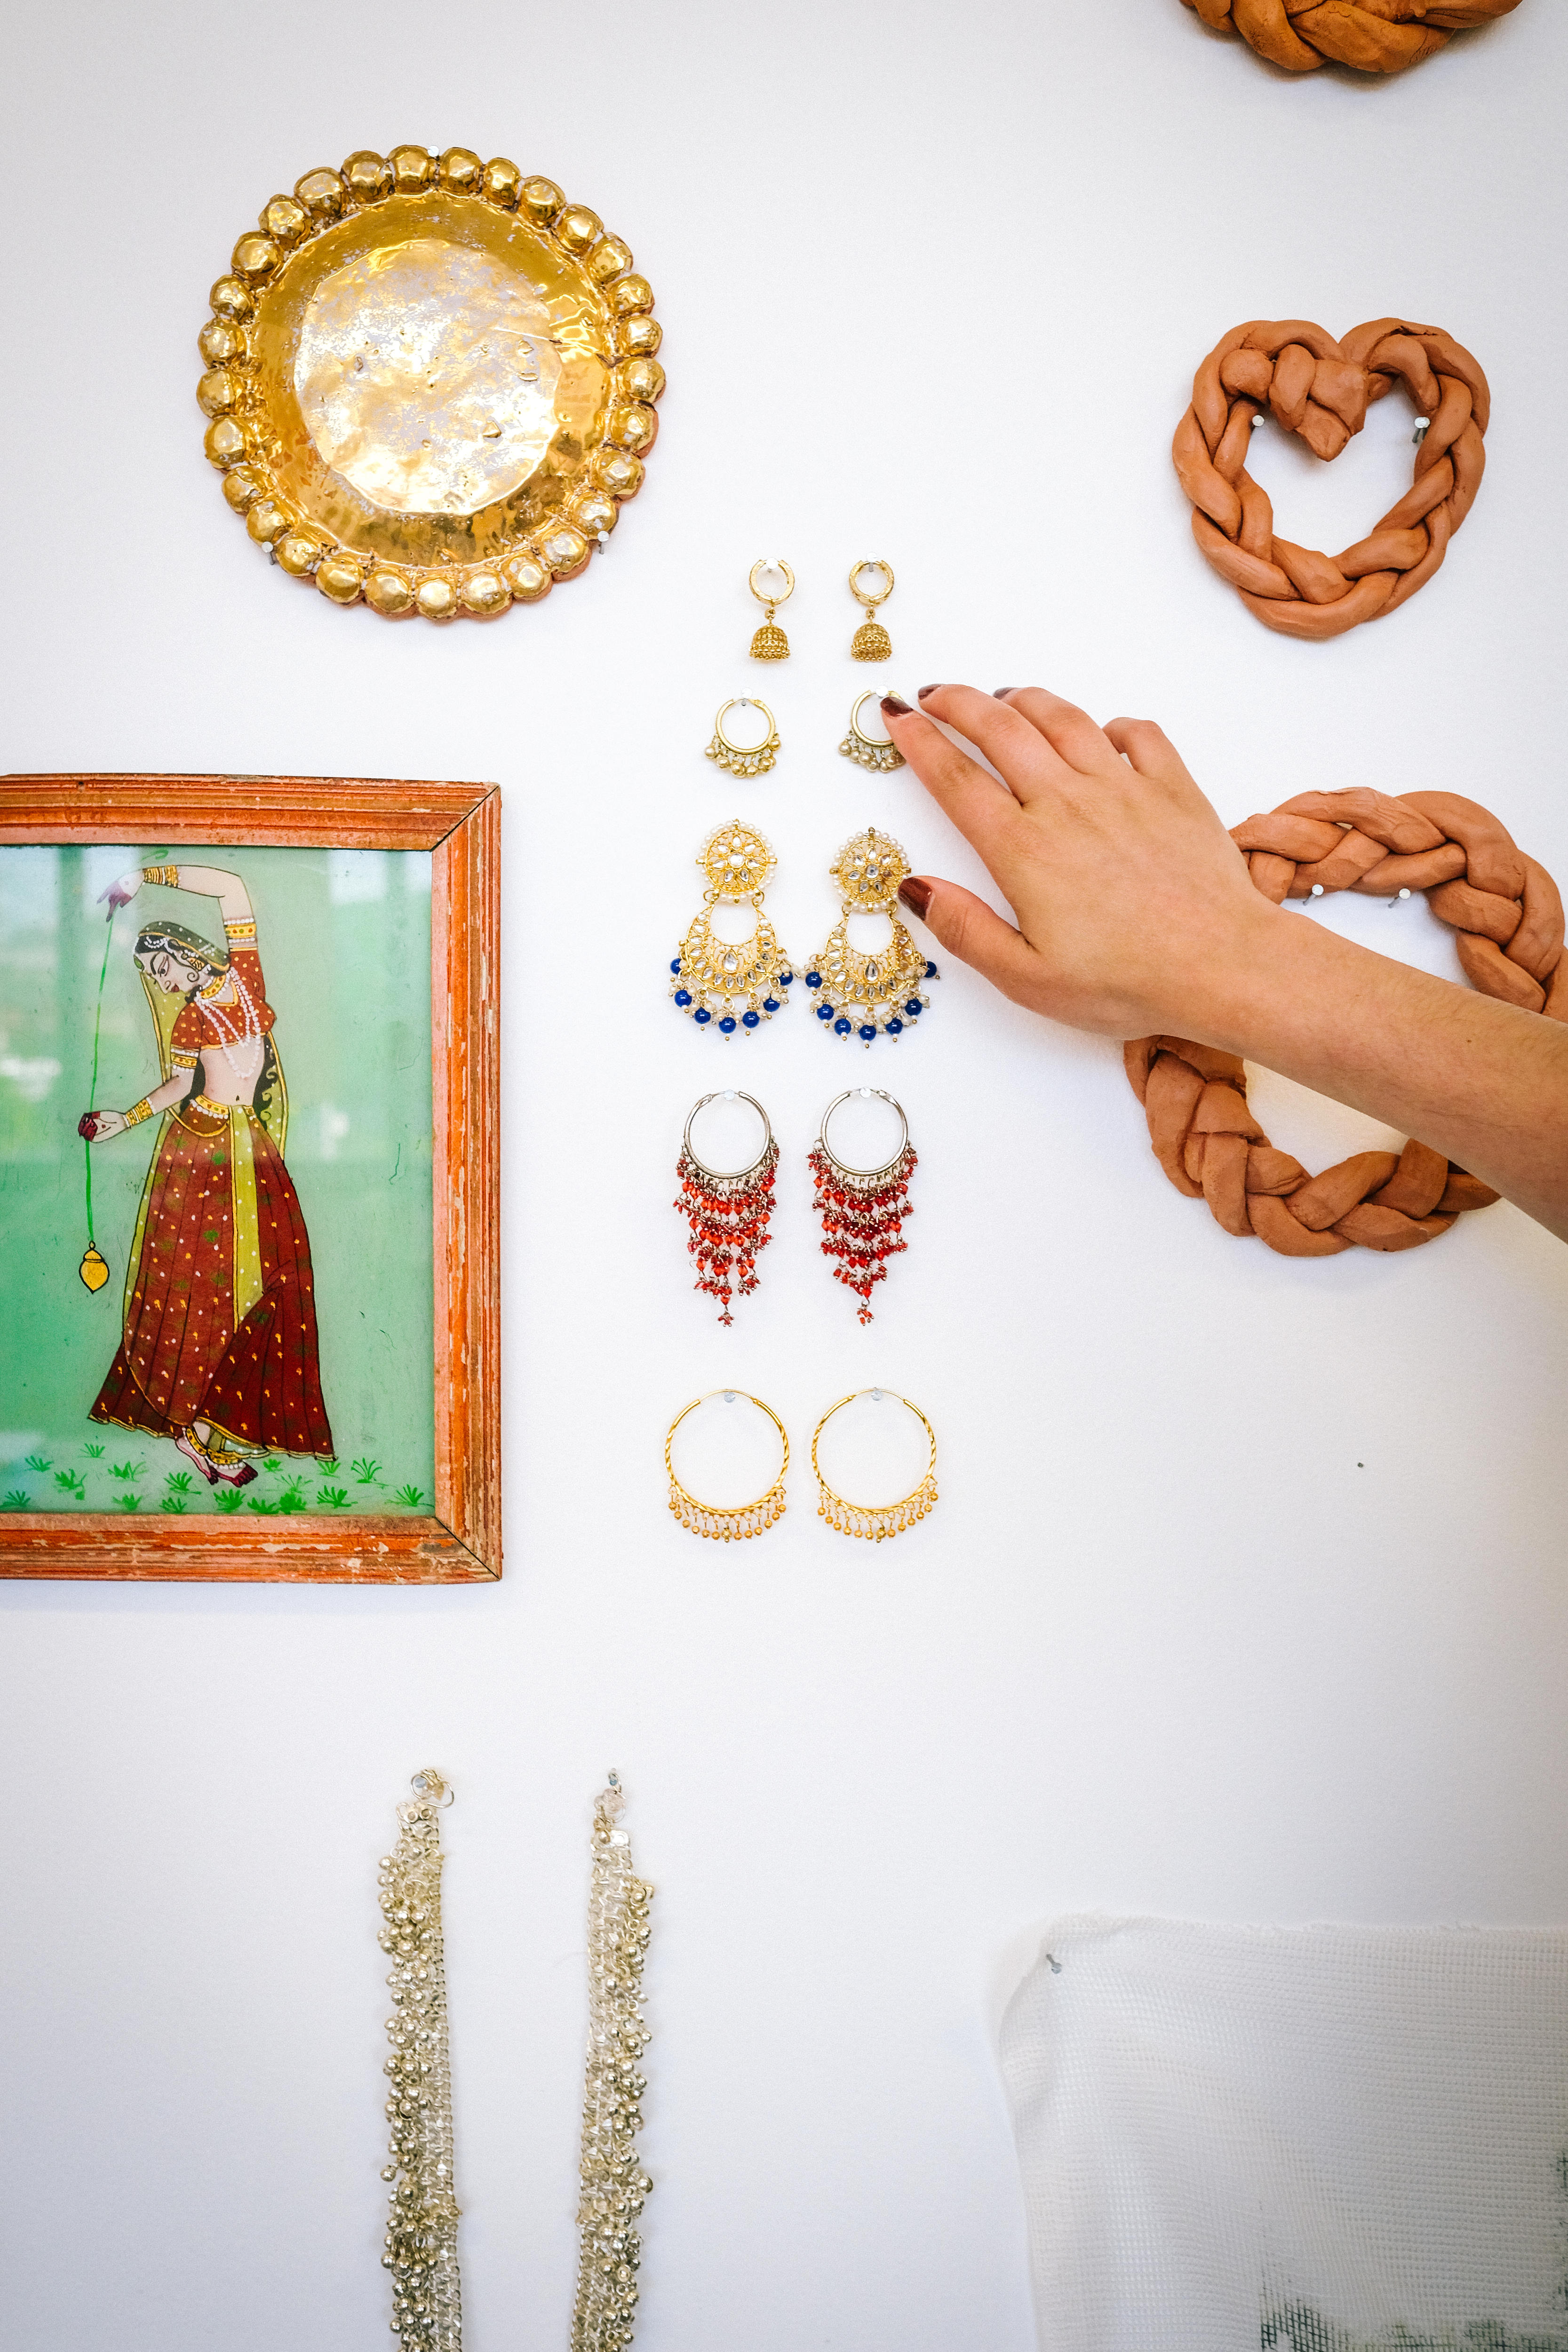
(1509, 916)
(1321, 389)
(1378, 35)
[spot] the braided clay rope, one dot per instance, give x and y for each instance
(723, 1521)
(614, 2182)
(1508, 918)
(1321, 389)
(422, 2227)
(875, 1521)
(1305, 33)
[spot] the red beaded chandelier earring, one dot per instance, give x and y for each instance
(862, 1209)
(727, 1210)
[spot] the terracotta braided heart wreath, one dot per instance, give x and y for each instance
(1322, 390)
(1378, 35)
(1509, 916)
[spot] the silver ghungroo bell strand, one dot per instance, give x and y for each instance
(422, 2227)
(614, 2182)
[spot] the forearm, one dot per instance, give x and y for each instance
(213, 882)
(1482, 1082)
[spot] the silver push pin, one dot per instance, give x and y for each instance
(1256, 420)
(1397, 898)
(1423, 425)
(1317, 890)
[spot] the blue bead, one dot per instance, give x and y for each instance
(912, 1007)
(748, 1019)
(702, 1013)
(675, 967)
(930, 972)
(787, 979)
(868, 1030)
(683, 997)
(825, 1012)
(895, 1027)
(770, 1004)
(814, 980)
(841, 1027)
(728, 1025)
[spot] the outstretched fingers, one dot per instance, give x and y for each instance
(979, 806)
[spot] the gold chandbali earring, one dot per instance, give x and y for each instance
(614, 2184)
(862, 995)
(727, 1522)
(871, 641)
(770, 643)
(744, 759)
(422, 2230)
(734, 984)
(875, 1521)
(878, 752)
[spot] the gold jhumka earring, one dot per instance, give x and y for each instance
(871, 641)
(727, 1522)
(862, 995)
(876, 751)
(770, 643)
(875, 1521)
(734, 984)
(744, 759)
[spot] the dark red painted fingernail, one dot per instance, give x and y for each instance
(1000, 691)
(930, 689)
(915, 893)
(897, 705)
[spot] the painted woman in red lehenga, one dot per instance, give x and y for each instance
(219, 1346)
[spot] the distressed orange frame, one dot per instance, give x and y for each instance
(460, 1542)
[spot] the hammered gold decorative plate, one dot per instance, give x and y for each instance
(431, 383)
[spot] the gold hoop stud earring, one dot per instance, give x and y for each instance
(744, 759)
(871, 641)
(770, 643)
(877, 751)
(727, 1523)
(875, 1521)
(735, 985)
(861, 994)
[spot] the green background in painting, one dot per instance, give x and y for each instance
(344, 937)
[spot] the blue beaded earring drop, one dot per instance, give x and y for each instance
(732, 986)
(867, 994)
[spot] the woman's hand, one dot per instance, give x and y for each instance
(1135, 910)
(119, 894)
(1136, 916)
(98, 1126)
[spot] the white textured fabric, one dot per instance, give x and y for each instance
(1314, 2137)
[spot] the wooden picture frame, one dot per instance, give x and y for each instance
(459, 1542)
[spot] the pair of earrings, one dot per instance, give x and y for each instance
(731, 1522)
(870, 642)
(862, 1210)
(736, 985)
(875, 751)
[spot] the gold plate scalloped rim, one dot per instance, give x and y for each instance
(237, 438)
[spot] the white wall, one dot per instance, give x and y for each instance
(1245, 1598)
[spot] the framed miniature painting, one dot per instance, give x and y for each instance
(248, 1279)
